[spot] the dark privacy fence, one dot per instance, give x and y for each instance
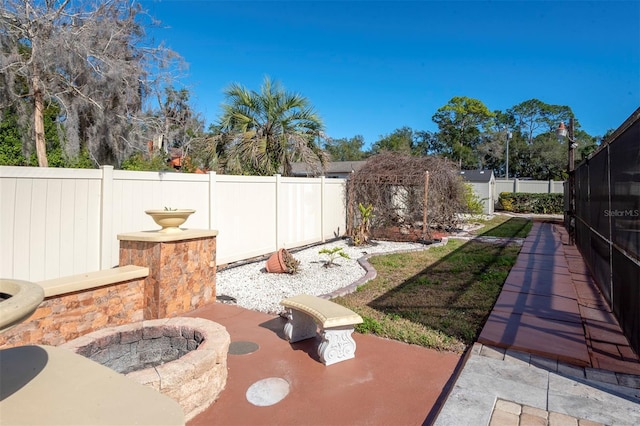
(607, 225)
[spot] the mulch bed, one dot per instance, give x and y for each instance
(410, 235)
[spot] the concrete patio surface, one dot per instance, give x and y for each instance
(551, 353)
(388, 382)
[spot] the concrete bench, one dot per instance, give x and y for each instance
(305, 313)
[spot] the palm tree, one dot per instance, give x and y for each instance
(270, 130)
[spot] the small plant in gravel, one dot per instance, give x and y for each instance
(361, 233)
(292, 264)
(333, 254)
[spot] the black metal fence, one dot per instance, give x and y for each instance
(607, 222)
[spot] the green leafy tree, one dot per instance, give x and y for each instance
(13, 152)
(492, 150)
(520, 155)
(426, 143)
(269, 130)
(400, 141)
(534, 117)
(405, 140)
(346, 149)
(460, 125)
(588, 144)
(534, 150)
(10, 140)
(141, 161)
(210, 152)
(547, 159)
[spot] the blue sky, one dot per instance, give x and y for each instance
(370, 67)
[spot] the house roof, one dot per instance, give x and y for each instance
(477, 175)
(334, 167)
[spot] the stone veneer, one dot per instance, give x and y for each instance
(194, 380)
(182, 269)
(63, 317)
(182, 273)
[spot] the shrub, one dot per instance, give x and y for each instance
(474, 204)
(143, 162)
(522, 202)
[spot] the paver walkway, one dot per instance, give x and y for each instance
(551, 352)
(550, 306)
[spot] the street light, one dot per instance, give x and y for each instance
(569, 219)
(509, 136)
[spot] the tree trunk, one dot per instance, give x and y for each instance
(38, 123)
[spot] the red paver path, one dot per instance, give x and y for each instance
(551, 307)
(388, 382)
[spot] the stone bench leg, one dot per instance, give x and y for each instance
(299, 326)
(337, 345)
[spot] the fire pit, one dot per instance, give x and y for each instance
(183, 358)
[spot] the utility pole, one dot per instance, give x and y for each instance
(572, 189)
(508, 135)
(570, 219)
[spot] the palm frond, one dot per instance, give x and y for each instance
(271, 128)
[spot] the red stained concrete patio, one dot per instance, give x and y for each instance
(388, 383)
(549, 306)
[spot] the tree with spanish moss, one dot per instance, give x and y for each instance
(92, 61)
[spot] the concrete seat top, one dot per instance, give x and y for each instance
(328, 313)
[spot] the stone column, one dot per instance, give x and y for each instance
(182, 269)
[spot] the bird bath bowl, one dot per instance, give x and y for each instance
(18, 300)
(170, 220)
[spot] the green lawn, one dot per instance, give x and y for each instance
(438, 298)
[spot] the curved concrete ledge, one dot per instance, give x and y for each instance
(24, 298)
(45, 385)
(195, 380)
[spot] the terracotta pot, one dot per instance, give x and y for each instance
(275, 263)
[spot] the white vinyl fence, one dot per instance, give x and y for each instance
(527, 186)
(58, 222)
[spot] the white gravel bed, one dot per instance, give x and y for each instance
(255, 289)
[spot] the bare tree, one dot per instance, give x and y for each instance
(181, 125)
(88, 58)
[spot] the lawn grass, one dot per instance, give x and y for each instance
(505, 226)
(438, 298)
